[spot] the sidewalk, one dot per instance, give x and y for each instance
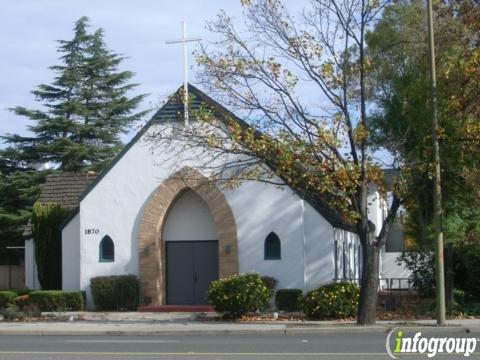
(184, 323)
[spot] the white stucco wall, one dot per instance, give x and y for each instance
(115, 207)
(319, 256)
(259, 209)
(71, 255)
(189, 219)
(31, 277)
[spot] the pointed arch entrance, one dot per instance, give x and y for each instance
(152, 247)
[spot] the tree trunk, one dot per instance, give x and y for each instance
(367, 308)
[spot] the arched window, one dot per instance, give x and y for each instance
(107, 249)
(273, 249)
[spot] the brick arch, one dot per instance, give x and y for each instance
(151, 247)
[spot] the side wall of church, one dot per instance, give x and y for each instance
(319, 258)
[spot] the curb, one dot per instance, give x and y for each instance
(278, 330)
(20, 332)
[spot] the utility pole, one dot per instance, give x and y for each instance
(437, 187)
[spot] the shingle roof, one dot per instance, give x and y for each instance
(63, 188)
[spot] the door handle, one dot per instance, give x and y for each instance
(195, 277)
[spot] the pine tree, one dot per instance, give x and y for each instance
(85, 109)
(19, 187)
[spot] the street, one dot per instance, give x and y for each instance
(336, 345)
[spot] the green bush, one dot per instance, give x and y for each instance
(421, 264)
(238, 295)
(21, 292)
(459, 297)
(288, 299)
(57, 300)
(332, 301)
(118, 292)
(11, 313)
(7, 298)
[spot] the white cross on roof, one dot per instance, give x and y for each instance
(184, 40)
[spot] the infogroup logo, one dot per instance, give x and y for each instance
(431, 346)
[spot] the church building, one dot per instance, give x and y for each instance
(154, 216)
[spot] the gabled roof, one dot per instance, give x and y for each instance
(63, 188)
(173, 111)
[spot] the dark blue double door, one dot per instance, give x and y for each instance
(191, 267)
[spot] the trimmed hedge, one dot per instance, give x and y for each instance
(238, 295)
(7, 298)
(333, 301)
(57, 300)
(118, 292)
(289, 299)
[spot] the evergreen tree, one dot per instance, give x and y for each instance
(86, 107)
(19, 187)
(85, 110)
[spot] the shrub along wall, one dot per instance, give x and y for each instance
(56, 300)
(119, 292)
(238, 295)
(7, 298)
(333, 301)
(289, 299)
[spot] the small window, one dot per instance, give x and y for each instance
(273, 250)
(107, 249)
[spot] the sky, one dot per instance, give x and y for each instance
(137, 29)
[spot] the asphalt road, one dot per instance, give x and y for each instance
(358, 345)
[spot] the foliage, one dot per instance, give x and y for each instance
(271, 283)
(459, 297)
(7, 298)
(12, 312)
(47, 220)
(19, 187)
(422, 266)
(238, 295)
(57, 300)
(21, 292)
(118, 292)
(398, 51)
(332, 301)
(85, 108)
(467, 271)
(288, 299)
